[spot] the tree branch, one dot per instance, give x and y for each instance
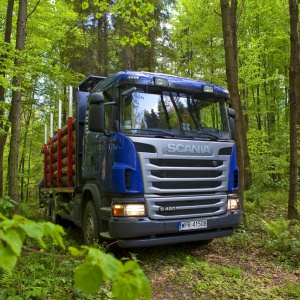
(34, 9)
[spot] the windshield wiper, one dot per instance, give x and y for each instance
(205, 133)
(154, 130)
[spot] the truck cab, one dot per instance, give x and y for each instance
(160, 154)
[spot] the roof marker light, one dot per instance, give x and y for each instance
(160, 81)
(208, 89)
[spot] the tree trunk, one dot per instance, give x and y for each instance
(294, 93)
(102, 36)
(27, 120)
(229, 27)
(7, 39)
(15, 110)
(127, 57)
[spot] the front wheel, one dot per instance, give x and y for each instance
(90, 224)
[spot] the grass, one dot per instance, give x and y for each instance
(219, 271)
(260, 261)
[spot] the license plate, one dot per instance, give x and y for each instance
(190, 225)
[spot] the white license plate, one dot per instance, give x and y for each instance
(190, 225)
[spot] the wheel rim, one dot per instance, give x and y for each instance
(89, 229)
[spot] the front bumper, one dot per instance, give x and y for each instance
(143, 232)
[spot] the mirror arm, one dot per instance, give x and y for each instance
(106, 132)
(110, 103)
(129, 91)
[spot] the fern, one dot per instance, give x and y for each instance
(280, 238)
(6, 278)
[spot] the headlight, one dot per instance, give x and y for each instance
(233, 202)
(128, 210)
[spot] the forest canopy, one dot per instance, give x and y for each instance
(65, 41)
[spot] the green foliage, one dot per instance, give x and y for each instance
(128, 280)
(211, 273)
(298, 207)
(269, 152)
(283, 238)
(197, 42)
(13, 233)
(136, 15)
(7, 206)
(131, 282)
(279, 235)
(237, 267)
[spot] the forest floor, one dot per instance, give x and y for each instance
(251, 264)
(236, 267)
(218, 271)
(257, 262)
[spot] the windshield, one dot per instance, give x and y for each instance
(173, 114)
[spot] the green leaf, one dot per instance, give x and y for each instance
(132, 283)
(56, 232)
(33, 230)
(76, 252)
(8, 223)
(8, 258)
(1, 234)
(14, 239)
(131, 265)
(124, 289)
(84, 5)
(109, 265)
(88, 278)
(14, 298)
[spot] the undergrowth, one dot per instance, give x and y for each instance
(260, 261)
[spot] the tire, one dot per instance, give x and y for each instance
(90, 224)
(50, 212)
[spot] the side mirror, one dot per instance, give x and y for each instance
(231, 112)
(96, 98)
(232, 128)
(96, 119)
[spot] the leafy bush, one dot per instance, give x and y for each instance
(269, 159)
(7, 206)
(283, 239)
(127, 279)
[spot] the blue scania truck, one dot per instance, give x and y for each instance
(149, 159)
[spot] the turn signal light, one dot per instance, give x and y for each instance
(128, 210)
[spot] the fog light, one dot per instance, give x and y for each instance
(233, 202)
(128, 210)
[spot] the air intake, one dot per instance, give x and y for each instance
(127, 180)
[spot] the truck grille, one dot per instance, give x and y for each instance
(187, 163)
(184, 185)
(186, 175)
(186, 206)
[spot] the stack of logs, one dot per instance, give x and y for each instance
(58, 163)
